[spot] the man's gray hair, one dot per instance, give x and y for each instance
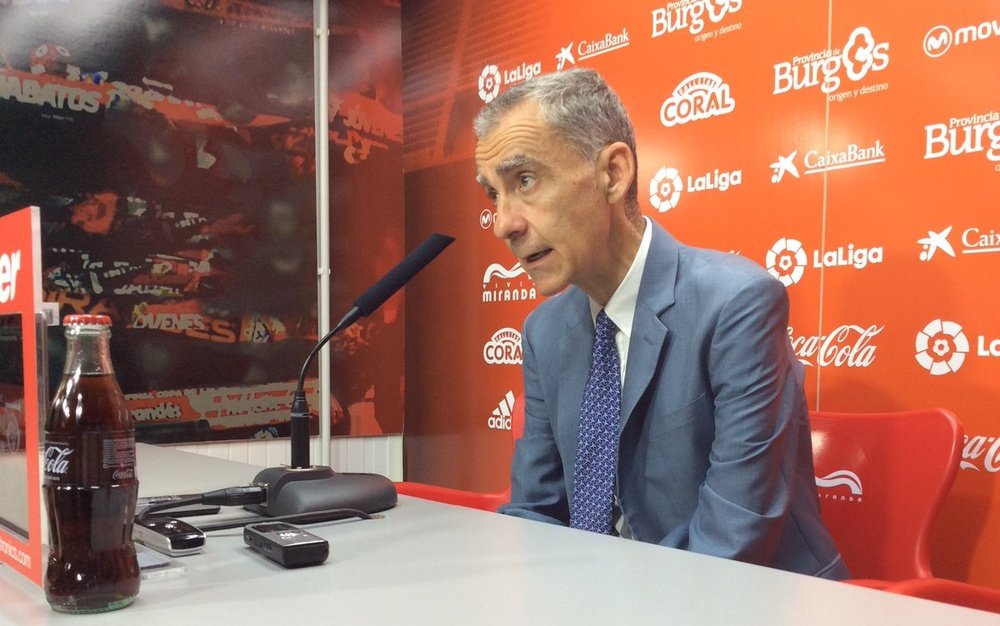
(579, 105)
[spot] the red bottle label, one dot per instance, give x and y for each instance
(89, 459)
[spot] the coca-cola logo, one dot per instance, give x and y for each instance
(123, 474)
(56, 460)
(848, 345)
(981, 454)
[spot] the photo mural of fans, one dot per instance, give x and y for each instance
(170, 146)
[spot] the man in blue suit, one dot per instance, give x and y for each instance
(713, 445)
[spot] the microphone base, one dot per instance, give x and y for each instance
(291, 491)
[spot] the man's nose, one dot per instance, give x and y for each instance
(509, 222)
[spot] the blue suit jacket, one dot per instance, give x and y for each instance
(715, 453)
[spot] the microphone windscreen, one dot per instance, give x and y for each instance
(402, 273)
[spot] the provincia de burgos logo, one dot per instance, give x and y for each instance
(861, 56)
(971, 134)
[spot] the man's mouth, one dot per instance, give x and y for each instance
(531, 258)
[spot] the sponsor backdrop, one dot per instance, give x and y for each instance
(170, 146)
(852, 148)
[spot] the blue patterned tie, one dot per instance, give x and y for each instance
(597, 443)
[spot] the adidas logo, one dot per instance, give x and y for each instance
(500, 419)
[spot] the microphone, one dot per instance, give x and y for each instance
(301, 487)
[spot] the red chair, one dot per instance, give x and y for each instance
(881, 480)
(471, 499)
(951, 592)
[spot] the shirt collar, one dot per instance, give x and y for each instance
(621, 306)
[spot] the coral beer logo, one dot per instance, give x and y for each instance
(507, 285)
(832, 486)
(941, 347)
(504, 348)
(698, 97)
(492, 78)
(10, 266)
(848, 345)
(667, 184)
(691, 15)
(965, 135)
(861, 55)
(786, 260)
(940, 39)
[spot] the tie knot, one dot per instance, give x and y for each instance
(603, 325)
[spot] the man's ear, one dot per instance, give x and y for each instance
(616, 168)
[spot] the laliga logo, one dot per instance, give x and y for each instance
(504, 348)
(860, 56)
(786, 261)
(489, 83)
(941, 347)
(841, 478)
(665, 189)
(699, 96)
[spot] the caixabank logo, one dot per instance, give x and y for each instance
(492, 78)
(978, 133)
(787, 259)
(701, 18)
(576, 51)
(667, 185)
(815, 161)
(861, 56)
(942, 38)
(700, 96)
(972, 240)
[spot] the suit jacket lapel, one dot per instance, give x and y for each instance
(575, 354)
(649, 334)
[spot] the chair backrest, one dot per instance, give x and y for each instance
(950, 591)
(471, 499)
(881, 480)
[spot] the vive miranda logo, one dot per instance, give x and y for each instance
(507, 285)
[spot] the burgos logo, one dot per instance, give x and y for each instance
(841, 478)
(504, 348)
(691, 14)
(491, 78)
(965, 135)
(667, 184)
(941, 347)
(860, 56)
(499, 284)
(699, 96)
(786, 260)
(940, 39)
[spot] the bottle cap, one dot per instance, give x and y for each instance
(86, 320)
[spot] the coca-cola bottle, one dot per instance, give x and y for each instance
(90, 485)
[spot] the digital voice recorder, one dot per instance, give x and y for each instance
(285, 544)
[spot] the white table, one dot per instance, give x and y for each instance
(429, 563)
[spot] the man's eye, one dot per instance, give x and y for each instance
(492, 195)
(526, 180)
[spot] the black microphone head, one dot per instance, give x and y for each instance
(402, 273)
